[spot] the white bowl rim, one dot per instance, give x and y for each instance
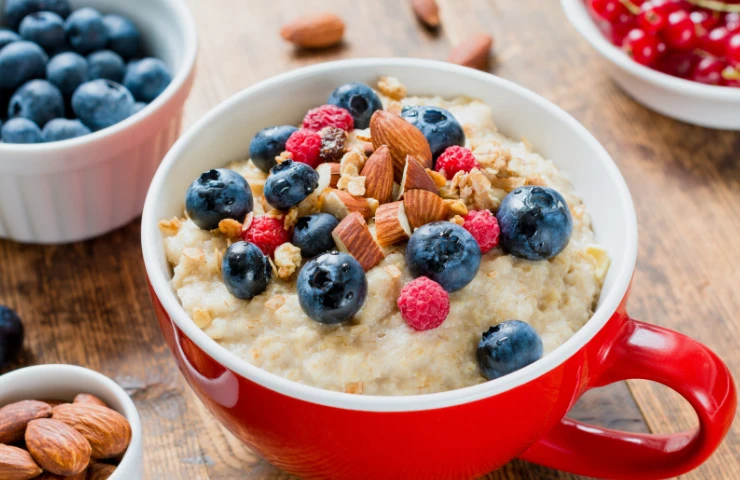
(185, 18)
(151, 242)
(579, 17)
(129, 409)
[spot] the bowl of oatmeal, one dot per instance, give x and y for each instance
(405, 249)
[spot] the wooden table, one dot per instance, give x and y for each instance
(88, 304)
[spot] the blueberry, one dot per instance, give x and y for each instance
(102, 103)
(507, 347)
(38, 101)
(443, 252)
(85, 30)
(107, 65)
(8, 36)
(312, 234)
(11, 336)
(438, 125)
(139, 106)
(16, 10)
(359, 100)
(147, 78)
(20, 62)
(63, 129)
(45, 29)
(123, 36)
(67, 71)
(332, 287)
(21, 130)
(289, 183)
(268, 144)
(246, 271)
(535, 223)
(217, 195)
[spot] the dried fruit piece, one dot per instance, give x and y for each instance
(378, 172)
(57, 447)
(320, 30)
(424, 207)
(15, 417)
(473, 52)
(107, 431)
(17, 464)
(427, 11)
(391, 224)
(352, 236)
(402, 139)
(333, 142)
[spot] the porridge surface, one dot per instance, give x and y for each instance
(376, 352)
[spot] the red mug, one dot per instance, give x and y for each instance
(464, 433)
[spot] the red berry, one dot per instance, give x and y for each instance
(678, 64)
(731, 21)
(652, 19)
(709, 71)
(424, 304)
(484, 228)
(267, 233)
(455, 159)
(642, 47)
(704, 21)
(732, 52)
(681, 31)
(715, 42)
(608, 9)
(328, 116)
(621, 27)
(305, 147)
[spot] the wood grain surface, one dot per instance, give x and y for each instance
(87, 303)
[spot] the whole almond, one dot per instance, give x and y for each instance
(15, 417)
(320, 30)
(57, 447)
(426, 11)
(91, 399)
(402, 139)
(473, 52)
(107, 431)
(100, 471)
(52, 476)
(378, 172)
(17, 464)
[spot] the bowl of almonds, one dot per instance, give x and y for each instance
(64, 421)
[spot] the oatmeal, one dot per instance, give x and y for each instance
(376, 351)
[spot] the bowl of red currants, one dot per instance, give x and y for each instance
(680, 58)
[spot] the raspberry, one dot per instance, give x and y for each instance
(267, 233)
(305, 146)
(424, 304)
(328, 116)
(455, 159)
(483, 226)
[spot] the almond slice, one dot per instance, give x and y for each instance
(424, 207)
(402, 139)
(415, 177)
(352, 236)
(391, 224)
(314, 31)
(378, 173)
(427, 12)
(329, 174)
(340, 204)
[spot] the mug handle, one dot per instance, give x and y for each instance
(648, 352)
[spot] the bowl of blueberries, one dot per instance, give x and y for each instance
(91, 99)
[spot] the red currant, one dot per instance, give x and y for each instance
(608, 9)
(651, 18)
(733, 50)
(678, 64)
(709, 71)
(704, 21)
(715, 41)
(732, 21)
(642, 47)
(621, 26)
(681, 31)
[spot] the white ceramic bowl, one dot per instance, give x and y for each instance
(81, 188)
(691, 102)
(63, 382)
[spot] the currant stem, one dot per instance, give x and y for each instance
(634, 9)
(716, 5)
